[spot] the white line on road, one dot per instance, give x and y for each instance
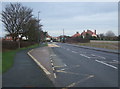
(65, 65)
(74, 52)
(106, 64)
(84, 55)
(115, 61)
(51, 63)
(38, 63)
(55, 75)
(98, 56)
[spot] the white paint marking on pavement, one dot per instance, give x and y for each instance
(51, 60)
(65, 65)
(84, 55)
(106, 64)
(55, 75)
(44, 69)
(115, 61)
(74, 52)
(82, 80)
(98, 56)
(51, 63)
(53, 68)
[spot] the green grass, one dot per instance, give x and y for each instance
(8, 57)
(106, 45)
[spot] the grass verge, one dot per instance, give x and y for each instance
(8, 57)
(106, 45)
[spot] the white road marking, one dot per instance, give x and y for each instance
(38, 63)
(53, 68)
(106, 64)
(82, 80)
(98, 56)
(74, 52)
(51, 60)
(55, 75)
(65, 65)
(84, 55)
(115, 61)
(51, 63)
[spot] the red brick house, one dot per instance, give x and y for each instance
(93, 34)
(76, 35)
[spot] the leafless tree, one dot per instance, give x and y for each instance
(110, 34)
(15, 17)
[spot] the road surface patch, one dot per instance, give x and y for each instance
(38, 63)
(53, 45)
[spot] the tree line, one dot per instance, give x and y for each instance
(19, 22)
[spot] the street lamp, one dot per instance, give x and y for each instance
(38, 28)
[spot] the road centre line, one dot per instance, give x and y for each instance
(74, 52)
(85, 56)
(106, 64)
(98, 56)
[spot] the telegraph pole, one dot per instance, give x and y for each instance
(38, 29)
(63, 36)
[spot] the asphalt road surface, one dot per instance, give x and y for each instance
(79, 67)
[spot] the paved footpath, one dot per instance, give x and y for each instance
(25, 73)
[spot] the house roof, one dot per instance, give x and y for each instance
(76, 35)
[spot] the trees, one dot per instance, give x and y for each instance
(110, 34)
(34, 30)
(15, 18)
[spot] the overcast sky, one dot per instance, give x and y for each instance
(77, 16)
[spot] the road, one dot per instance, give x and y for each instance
(79, 67)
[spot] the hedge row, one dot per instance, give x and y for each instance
(14, 45)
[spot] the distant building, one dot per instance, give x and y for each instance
(93, 34)
(48, 37)
(76, 35)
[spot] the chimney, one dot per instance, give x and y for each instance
(95, 31)
(77, 32)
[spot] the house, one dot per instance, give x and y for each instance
(48, 37)
(76, 35)
(93, 34)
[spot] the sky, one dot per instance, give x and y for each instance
(75, 16)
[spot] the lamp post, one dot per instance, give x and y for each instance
(38, 29)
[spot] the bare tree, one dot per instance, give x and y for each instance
(15, 17)
(110, 34)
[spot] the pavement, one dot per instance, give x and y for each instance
(25, 73)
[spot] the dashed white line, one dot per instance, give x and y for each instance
(84, 55)
(65, 65)
(51, 63)
(55, 75)
(74, 52)
(115, 61)
(106, 64)
(98, 56)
